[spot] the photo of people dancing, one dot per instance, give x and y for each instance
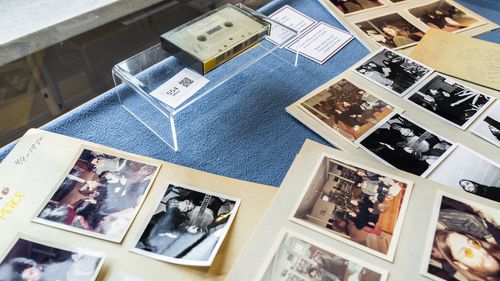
(465, 244)
(187, 225)
(405, 145)
(392, 71)
(31, 261)
(347, 109)
(100, 194)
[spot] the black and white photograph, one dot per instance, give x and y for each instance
(463, 241)
(403, 144)
(298, 258)
(187, 227)
(488, 127)
(351, 6)
(357, 205)
(392, 31)
(451, 101)
(27, 260)
(99, 196)
(468, 171)
(393, 72)
(445, 16)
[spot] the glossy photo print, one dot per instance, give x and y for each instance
(32, 261)
(298, 258)
(99, 196)
(392, 71)
(407, 146)
(488, 127)
(356, 205)
(347, 109)
(463, 241)
(352, 6)
(451, 101)
(187, 227)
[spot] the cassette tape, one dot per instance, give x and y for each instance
(214, 38)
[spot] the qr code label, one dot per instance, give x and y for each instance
(186, 82)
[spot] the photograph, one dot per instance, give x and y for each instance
(99, 196)
(188, 226)
(391, 31)
(350, 6)
(444, 16)
(463, 241)
(298, 258)
(468, 171)
(449, 100)
(405, 145)
(392, 71)
(27, 260)
(488, 127)
(356, 205)
(347, 109)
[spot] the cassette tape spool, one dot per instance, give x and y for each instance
(214, 38)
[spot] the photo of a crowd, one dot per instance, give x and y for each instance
(444, 16)
(362, 207)
(350, 6)
(393, 72)
(391, 31)
(297, 259)
(188, 226)
(465, 242)
(32, 261)
(100, 195)
(451, 101)
(347, 109)
(407, 146)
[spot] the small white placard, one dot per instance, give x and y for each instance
(321, 42)
(180, 87)
(291, 18)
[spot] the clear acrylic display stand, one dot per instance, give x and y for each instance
(144, 72)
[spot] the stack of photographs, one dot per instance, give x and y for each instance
(344, 109)
(398, 24)
(463, 241)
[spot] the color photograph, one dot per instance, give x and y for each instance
(392, 71)
(347, 109)
(356, 205)
(350, 6)
(187, 227)
(405, 145)
(99, 196)
(468, 171)
(299, 259)
(488, 127)
(444, 16)
(463, 241)
(391, 31)
(451, 101)
(32, 261)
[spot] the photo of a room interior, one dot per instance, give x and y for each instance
(354, 204)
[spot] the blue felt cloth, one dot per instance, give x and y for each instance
(242, 129)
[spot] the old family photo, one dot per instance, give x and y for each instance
(359, 206)
(447, 99)
(32, 261)
(346, 108)
(463, 241)
(297, 258)
(407, 146)
(393, 72)
(99, 196)
(188, 226)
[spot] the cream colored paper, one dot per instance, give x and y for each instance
(457, 55)
(410, 249)
(39, 160)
